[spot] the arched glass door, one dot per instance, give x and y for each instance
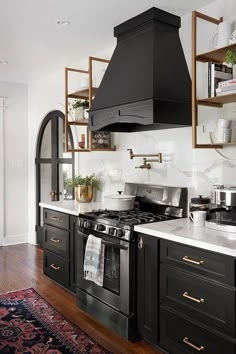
(53, 165)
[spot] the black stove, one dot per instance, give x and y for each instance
(113, 304)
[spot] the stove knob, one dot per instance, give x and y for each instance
(100, 227)
(112, 231)
(88, 224)
(120, 233)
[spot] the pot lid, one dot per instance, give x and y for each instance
(200, 200)
(120, 196)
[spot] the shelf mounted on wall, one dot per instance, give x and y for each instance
(76, 124)
(216, 56)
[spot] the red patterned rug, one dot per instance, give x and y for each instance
(28, 324)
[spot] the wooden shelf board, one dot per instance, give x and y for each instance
(82, 94)
(108, 149)
(218, 101)
(79, 123)
(78, 150)
(209, 146)
(216, 56)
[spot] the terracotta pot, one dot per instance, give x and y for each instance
(84, 194)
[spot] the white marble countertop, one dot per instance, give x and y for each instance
(71, 207)
(183, 231)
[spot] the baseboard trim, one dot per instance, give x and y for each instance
(15, 239)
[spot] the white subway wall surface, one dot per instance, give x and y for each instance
(182, 166)
(15, 163)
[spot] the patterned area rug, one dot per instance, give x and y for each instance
(28, 324)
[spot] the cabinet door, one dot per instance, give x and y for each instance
(147, 287)
(73, 254)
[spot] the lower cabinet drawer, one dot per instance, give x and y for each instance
(179, 336)
(199, 299)
(56, 268)
(56, 240)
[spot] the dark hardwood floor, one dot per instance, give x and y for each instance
(21, 267)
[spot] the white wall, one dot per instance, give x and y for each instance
(15, 163)
(183, 166)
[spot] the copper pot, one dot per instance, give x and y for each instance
(84, 194)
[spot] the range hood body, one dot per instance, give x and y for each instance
(147, 84)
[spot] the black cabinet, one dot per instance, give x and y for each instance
(59, 237)
(147, 287)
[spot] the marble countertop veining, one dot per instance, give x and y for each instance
(71, 207)
(183, 231)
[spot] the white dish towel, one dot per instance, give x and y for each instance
(94, 260)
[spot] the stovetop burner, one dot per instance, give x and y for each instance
(130, 217)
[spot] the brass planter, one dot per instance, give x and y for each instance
(84, 194)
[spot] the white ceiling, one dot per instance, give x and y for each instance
(34, 45)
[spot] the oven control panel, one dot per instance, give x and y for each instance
(106, 229)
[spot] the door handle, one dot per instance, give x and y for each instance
(56, 240)
(55, 218)
(198, 349)
(140, 243)
(54, 267)
(187, 259)
(201, 300)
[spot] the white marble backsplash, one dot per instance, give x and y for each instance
(197, 169)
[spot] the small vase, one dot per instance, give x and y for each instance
(84, 194)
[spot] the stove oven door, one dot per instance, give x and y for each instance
(116, 284)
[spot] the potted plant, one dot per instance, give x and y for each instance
(230, 58)
(80, 109)
(84, 187)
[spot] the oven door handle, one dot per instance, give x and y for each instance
(107, 243)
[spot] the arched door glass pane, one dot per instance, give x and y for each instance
(46, 142)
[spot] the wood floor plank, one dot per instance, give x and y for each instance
(21, 267)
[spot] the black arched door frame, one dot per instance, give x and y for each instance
(55, 161)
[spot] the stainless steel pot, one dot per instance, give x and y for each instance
(119, 201)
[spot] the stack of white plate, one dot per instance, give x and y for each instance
(223, 130)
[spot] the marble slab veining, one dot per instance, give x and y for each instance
(183, 231)
(71, 207)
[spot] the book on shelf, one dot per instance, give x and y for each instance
(222, 93)
(227, 83)
(216, 74)
(226, 88)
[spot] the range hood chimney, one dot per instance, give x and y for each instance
(147, 84)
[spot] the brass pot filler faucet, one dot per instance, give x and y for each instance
(146, 162)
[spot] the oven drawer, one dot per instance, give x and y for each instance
(56, 267)
(56, 218)
(199, 299)
(208, 264)
(179, 336)
(56, 240)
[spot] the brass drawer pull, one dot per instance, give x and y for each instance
(186, 259)
(54, 267)
(55, 218)
(199, 349)
(56, 240)
(185, 294)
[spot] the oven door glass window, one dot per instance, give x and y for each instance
(111, 280)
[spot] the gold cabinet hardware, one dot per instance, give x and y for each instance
(186, 259)
(185, 294)
(198, 349)
(140, 243)
(56, 240)
(55, 218)
(54, 267)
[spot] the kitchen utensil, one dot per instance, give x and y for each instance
(198, 217)
(119, 201)
(200, 203)
(221, 37)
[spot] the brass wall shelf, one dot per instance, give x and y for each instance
(215, 56)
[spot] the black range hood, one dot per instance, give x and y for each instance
(147, 84)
